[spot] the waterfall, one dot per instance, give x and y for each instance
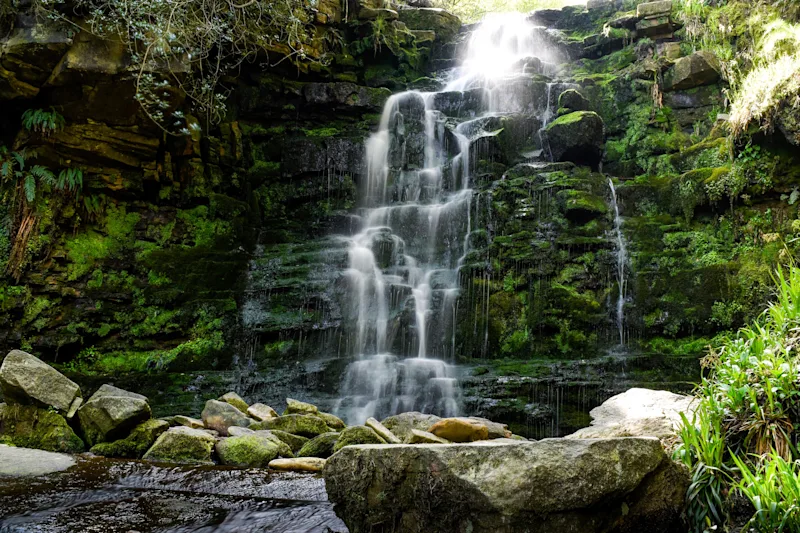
(404, 261)
(622, 261)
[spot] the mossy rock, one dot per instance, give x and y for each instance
(182, 445)
(134, 445)
(333, 421)
(250, 451)
(235, 400)
(357, 435)
(284, 450)
(320, 446)
(446, 25)
(27, 426)
(581, 206)
(303, 425)
(295, 442)
(296, 407)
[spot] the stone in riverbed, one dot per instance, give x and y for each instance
(259, 411)
(28, 426)
(19, 462)
(586, 486)
(284, 450)
(496, 429)
(24, 379)
(296, 407)
(333, 421)
(301, 464)
(219, 416)
(134, 445)
(423, 437)
(235, 400)
(303, 425)
(382, 431)
(111, 413)
(460, 430)
(238, 431)
(295, 442)
(188, 421)
(182, 445)
(250, 451)
(402, 424)
(320, 446)
(357, 435)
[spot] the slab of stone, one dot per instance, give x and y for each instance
(235, 400)
(25, 379)
(20, 462)
(460, 430)
(695, 70)
(188, 421)
(300, 464)
(382, 431)
(654, 9)
(259, 411)
(296, 407)
(111, 413)
(423, 437)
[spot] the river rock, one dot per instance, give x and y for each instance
(259, 411)
(578, 137)
(24, 379)
(188, 421)
(698, 69)
(295, 442)
(296, 407)
(301, 464)
(332, 421)
(235, 400)
(284, 450)
(303, 425)
(21, 462)
(357, 435)
(402, 424)
(496, 430)
(569, 486)
(238, 431)
(28, 426)
(134, 445)
(460, 430)
(219, 416)
(111, 413)
(638, 413)
(382, 431)
(423, 437)
(182, 445)
(249, 451)
(320, 446)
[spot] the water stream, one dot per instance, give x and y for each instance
(622, 262)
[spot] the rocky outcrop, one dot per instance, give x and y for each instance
(614, 485)
(182, 445)
(696, 70)
(111, 413)
(24, 379)
(577, 137)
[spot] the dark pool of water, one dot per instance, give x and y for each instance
(106, 496)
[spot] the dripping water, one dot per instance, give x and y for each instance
(622, 261)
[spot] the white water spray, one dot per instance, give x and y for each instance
(622, 261)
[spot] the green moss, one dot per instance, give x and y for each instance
(88, 249)
(303, 425)
(249, 451)
(320, 446)
(134, 445)
(357, 435)
(569, 118)
(31, 427)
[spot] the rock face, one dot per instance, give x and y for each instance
(638, 413)
(700, 68)
(446, 25)
(577, 137)
(111, 413)
(24, 379)
(182, 445)
(219, 416)
(28, 426)
(586, 486)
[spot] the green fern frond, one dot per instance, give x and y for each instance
(30, 188)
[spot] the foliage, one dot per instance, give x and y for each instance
(773, 488)
(41, 121)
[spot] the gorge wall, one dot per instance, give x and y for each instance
(189, 263)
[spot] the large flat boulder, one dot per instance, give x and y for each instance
(19, 462)
(586, 486)
(26, 379)
(638, 413)
(111, 413)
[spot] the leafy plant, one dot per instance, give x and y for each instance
(41, 121)
(774, 490)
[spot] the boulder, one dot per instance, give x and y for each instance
(134, 445)
(460, 430)
(250, 451)
(654, 9)
(301, 464)
(303, 425)
(28, 426)
(296, 407)
(284, 450)
(382, 431)
(320, 446)
(111, 413)
(578, 137)
(182, 445)
(295, 442)
(586, 486)
(402, 424)
(188, 421)
(259, 411)
(235, 400)
(573, 100)
(357, 435)
(24, 379)
(219, 416)
(423, 437)
(238, 431)
(22, 462)
(445, 24)
(655, 27)
(638, 413)
(695, 70)
(332, 421)
(496, 429)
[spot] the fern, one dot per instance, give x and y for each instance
(30, 188)
(41, 121)
(71, 179)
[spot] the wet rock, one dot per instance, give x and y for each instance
(638, 413)
(90, 58)
(134, 445)
(296, 407)
(578, 137)
(460, 430)
(28, 426)
(609, 481)
(320, 446)
(445, 24)
(111, 413)
(357, 435)
(402, 424)
(700, 68)
(250, 451)
(382, 431)
(332, 421)
(573, 100)
(188, 421)
(235, 400)
(300, 464)
(460, 104)
(303, 425)
(259, 411)
(182, 445)
(346, 94)
(295, 442)
(219, 416)
(30, 53)
(24, 379)
(423, 437)
(20, 462)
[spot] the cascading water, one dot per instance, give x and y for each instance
(622, 262)
(403, 271)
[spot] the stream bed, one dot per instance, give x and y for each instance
(109, 496)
